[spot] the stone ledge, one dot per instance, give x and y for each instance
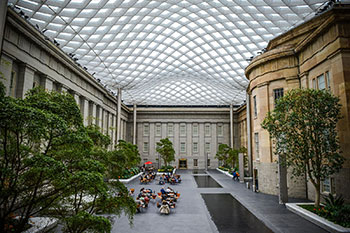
(41, 224)
(125, 181)
(314, 218)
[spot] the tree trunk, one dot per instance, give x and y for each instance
(317, 193)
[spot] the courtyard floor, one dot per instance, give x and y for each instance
(192, 215)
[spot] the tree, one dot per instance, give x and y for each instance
(229, 155)
(303, 127)
(166, 150)
(48, 163)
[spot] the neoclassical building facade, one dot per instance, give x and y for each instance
(316, 55)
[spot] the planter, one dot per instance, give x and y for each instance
(314, 218)
(125, 181)
(224, 172)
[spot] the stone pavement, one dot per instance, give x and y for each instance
(191, 214)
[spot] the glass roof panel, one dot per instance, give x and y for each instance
(167, 52)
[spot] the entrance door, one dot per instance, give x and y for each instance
(182, 163)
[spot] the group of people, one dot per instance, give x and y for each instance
(143, 198)
(168, 197)
(169, 178)
(146, 178)
(235, 175)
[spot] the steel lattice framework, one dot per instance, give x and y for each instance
(175, 52)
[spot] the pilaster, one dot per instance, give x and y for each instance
(25, 80)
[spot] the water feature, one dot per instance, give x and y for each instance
(196, 171)
(206, 182)
(230, 216)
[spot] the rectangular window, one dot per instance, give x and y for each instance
(195, 130)
(182, 130)
(220, 130)
(158, 129)
(256, 141)
(145, 147)
(207, 130)
(145, 129)
(314, 84)
(207, 147)
(321, 82)
(170, 129)
(195, 147)
(277, 93)
(182, 146)
(208, 162)
(328, 185)
(195, 162)
(255, 106)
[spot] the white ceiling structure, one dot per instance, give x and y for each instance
(167, 52)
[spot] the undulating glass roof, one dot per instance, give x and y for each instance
(174, 52)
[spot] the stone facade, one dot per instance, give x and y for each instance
(315, 50)
(195, 132)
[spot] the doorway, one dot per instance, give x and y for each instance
(182, 163)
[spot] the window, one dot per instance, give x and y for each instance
(183, 147)
(277, 93)
(158, 129)
(328, 185)
(255, 106)
(195, 130)
(220, 130)
(145, 147)
(195, 162)
(195, 147)
(256, 140)
(322, 81)
(145, 129)
(182, 130)
(207, 147)
(207, 130)
(208, 162)
(170, 129)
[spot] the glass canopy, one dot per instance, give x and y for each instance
(175, 52)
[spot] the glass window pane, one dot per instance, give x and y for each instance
(321, 82)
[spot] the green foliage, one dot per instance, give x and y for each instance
(333, 202)
(51, 164)
(84, 221)
(303, 126)
(339, 214)
(166, 150)
(229, 155)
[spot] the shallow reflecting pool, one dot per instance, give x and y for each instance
(206, 182)
(230, 216)
(199, 172)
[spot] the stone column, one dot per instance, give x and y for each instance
(119, 109)
(134, 126)
(249, 142)
(3, 12)
(47, 82)
(77, 98)
(93, 113)
(85, 112)
(283, 189)
(241, 167)
(25, 80)
(231, 126)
